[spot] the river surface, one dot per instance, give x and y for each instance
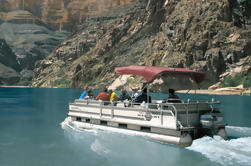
(31, 135)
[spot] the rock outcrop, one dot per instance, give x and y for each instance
(207, 36)
(9, 68)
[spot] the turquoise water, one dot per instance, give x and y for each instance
(31, 135)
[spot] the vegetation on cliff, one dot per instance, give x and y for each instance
(239, 79)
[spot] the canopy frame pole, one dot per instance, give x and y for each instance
(195, 91)
(146, 85)
(195, 94)
(147, 96)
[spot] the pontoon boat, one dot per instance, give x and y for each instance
(176, 123)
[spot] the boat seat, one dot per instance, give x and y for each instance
(107, 102)
(153, 106)
(174, 100)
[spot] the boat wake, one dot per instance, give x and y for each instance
(68, 124)
(234, 151)
(111, 146)
(116, 147)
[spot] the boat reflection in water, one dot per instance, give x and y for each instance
(172, 121)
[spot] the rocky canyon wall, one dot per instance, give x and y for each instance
(211, 36)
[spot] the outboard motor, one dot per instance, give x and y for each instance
(213, 124)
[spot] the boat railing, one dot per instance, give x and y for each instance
(173, 109)
(107, 109)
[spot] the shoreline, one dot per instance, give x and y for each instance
(217, 92)
(222, 91)
(7, 86)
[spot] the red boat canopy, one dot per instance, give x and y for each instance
(149, 73)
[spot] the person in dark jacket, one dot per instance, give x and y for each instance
(142, 97)
(172, 97)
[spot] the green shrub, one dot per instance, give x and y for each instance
(247, 81)
(237, 80)
(62, 83)
(232, 81)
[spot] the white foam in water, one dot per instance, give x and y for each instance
(68, 124)
(226, 152)
(99, 148)
(101, 142)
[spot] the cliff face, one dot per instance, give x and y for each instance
(29, 43)
(9, 67)
(60, 14)
(89, 45)
(210, 36)
(33, 28)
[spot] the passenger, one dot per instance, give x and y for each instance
(135, 93)
(173, 98)
(89, 95)
(82, 96)
(143, 97)
(113, 95)
(124, 96)
(104, 96)
(172, 94)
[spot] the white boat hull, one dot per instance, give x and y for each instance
(183, 141)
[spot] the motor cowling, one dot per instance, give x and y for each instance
(213, 124)
(211, 120)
